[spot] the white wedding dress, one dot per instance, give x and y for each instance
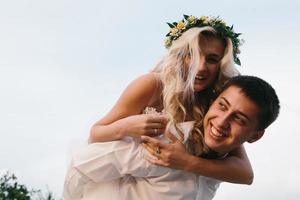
(117, 170)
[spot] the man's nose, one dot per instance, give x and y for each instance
(222, 121)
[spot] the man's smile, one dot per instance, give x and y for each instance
(217, 134)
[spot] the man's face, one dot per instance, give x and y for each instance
(230, 121)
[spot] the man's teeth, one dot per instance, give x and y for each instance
(215, 132)
(201, 77)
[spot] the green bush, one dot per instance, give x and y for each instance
(10, 189)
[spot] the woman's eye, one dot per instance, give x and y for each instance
(212, 60)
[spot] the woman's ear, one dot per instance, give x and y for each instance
(256, 136)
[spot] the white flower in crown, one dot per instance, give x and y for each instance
(174, 32)
(180, 25)
(221, 21)
(217, 20)
(168, 42)
(205, 19)
(192, 19)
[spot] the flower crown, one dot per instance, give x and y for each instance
(189, 21)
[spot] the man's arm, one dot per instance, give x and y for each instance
(235, 168)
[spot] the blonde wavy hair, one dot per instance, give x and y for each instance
(180, 101)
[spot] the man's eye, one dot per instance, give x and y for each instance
(222, 106)
(239, 119)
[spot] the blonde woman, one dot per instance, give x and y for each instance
(200, 58)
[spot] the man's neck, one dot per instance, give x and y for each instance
(210, 154)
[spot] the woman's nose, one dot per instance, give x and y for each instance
(202, 64)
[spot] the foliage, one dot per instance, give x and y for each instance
(10, 189)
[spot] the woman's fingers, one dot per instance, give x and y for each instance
(157, 118)
(154, 131)
(149, 140)
(156, 125)
(150, 148)
(147, 124)
(155, 161)
(153, 142)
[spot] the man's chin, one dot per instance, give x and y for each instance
(211, 144)
(214, 148)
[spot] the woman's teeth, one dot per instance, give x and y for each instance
(200, 77)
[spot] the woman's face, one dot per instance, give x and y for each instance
(212, 51)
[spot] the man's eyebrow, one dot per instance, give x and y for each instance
(227, 102)
(238, 112)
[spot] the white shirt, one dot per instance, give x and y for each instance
(117, 170)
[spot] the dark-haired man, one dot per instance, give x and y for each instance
(241, 113)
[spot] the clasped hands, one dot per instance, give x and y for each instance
(172, 154)
(145, 124)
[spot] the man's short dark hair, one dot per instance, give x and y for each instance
(262, 94)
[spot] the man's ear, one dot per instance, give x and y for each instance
(256, 136)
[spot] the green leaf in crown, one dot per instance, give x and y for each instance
(190, 21)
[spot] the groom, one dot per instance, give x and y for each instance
(245, 108)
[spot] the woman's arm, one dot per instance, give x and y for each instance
(235, 168)
(125, 118)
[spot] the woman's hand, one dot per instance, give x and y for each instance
(144, 124)
(173, 155)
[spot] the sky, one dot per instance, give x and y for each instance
(63, 65)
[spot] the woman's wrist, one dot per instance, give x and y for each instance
(121, 129)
